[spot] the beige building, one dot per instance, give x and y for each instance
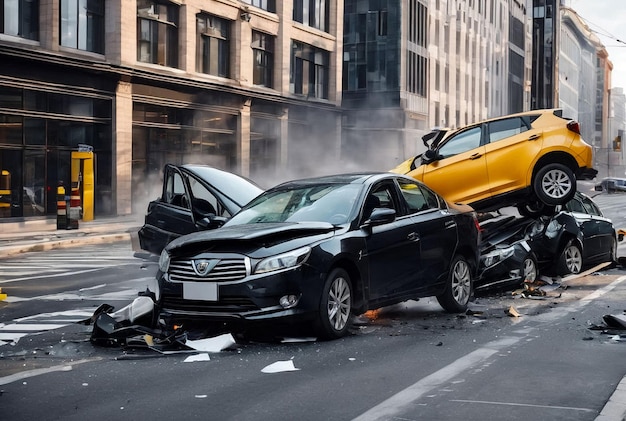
(251, 86)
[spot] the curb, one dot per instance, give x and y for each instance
(615, 408)
(64, 243)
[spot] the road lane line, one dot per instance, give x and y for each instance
(402, 401)
(525, 405)
(39, 371)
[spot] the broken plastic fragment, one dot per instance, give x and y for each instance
(512, 312)
(280, 366)
(216, 344)
(198, 357)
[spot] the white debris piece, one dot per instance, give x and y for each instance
(198, 357)
(280, 366)
(216, 344)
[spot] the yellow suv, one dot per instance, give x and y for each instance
(530, 160)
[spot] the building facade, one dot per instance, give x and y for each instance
(253, 87)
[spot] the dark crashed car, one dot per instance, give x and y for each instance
(515, 248)
(314, 252)
(194, 198)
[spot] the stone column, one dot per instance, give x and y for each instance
(243, 138)
(123, 148)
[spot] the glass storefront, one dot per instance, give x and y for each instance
(38, 131)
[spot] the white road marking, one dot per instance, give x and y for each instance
(37, 372)
(404, 400)
(525, 404)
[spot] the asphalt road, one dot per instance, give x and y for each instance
(405, 362)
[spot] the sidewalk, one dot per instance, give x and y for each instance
(41, 235)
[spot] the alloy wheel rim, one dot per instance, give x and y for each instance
(339, 303)
(556, 184)
(573, 259)
(530, 270)
(461, 282)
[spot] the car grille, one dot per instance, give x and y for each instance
(230, 269)
(225, 305)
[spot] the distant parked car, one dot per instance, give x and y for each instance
(530, 160)
(516, 248)
(194, 198)
(611, 185)
(316, 251)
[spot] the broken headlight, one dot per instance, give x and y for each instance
(497, 256)
(283, 261)
(164, 261)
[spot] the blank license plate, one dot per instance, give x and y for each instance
(206, 291)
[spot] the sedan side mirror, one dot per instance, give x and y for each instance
(381, 216)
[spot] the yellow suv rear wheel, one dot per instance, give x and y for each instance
(554, 184)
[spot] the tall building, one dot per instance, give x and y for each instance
(251, 86)
(610, 161)
(385, 80)
(413, 65)
(545, 44)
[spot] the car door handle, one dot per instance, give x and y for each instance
(413, 236)
(475, 156)
(534, 137)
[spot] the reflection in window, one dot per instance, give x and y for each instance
(20, 18)
(213, 50)
(506, 128)
(263, 58)
(312, 13)
(157, 38)
(462, 142)
(309, 71)
(82, 25)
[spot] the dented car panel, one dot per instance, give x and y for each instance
(318, 250)
(194, 198)
(577, 236)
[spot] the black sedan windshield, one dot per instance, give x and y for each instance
(331, 203)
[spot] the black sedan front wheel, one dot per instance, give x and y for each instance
(335, 306)
(459, 286)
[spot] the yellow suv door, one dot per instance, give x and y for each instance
(511, 147)
(460, 172)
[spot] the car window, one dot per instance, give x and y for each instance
(575, 205)
(505, 128)
(175, 190)
(417, 198)
(591, 208)
(380, 196)
(461, 142)
(205, 201)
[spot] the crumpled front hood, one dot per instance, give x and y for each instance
(263, 233)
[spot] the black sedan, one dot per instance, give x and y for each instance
(314, 252)
(194, 198)
(514, 248)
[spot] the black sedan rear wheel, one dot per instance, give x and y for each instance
(571, 259)
(459, 287)
(555, 184)
(335, 306)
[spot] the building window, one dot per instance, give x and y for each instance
(312, 13)
(157, 38)
(20, 18)
(269, 5)
(82, 25)
(309, 70)
(263, 59)
(213, 47)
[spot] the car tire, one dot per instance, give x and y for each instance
(335, 306)
(458, 290)
(529, 269)
(554, 184)
(570, 259)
